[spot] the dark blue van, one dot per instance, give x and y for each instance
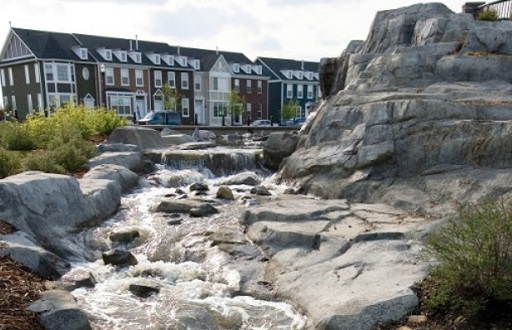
(161, 118)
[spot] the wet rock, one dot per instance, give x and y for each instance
(178, 139)
(203, 210)
(192, 316)
(124, 237)
(117, 147)
(87, 280)
(175, 206)
(59, 311)
(143, 291)
(261, 191)
(290, 191)
(168, 131)
(120, 174)
(247, 178)
(203, 135)
(199, 186)
(144, 138)
(279, 146)
(180, 191)
(224, 192)
(119, 258)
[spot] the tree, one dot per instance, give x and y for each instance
(236, 105)
(171, 98)
(290, 109)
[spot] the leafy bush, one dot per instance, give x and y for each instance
(69, 150)
(488, 15)
(14, 136)
(475, 254)
(10, 163)
(40, 160)
(105, 121)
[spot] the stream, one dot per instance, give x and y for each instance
(196, 283)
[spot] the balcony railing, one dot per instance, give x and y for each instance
(502, 7)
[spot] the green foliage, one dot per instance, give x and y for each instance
(171, 98)
(290, 109)
(488, 15)
(10, 163)
(475, 254)
(58, 144)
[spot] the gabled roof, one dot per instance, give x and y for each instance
(277, 65)
(49, 45)
(209, 57)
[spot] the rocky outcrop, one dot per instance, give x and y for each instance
(144, 138)
(278, 146)
(348, 266)
(425, 100)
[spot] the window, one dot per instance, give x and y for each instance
(29, 103)
(39, 101)
(63, 72)
(13, 102)
(185, 108)
(260, 87)
(139, 78)
(109, 76)
(310, 92)
(83, 53)
(289, 91)
(184, 80)
(197, 82)
(37, 73)
(2, 77)
(11, 79)
(197, 65)
(125, 78)
(27, 74)
(158, 78)
(215, 85)
(300, 90)
(123, 57)
(171, 79)
(6, 101)
(236, 68)
(89, 101)
(260, 110)
(237, 85)
(120, 102)
(249, 86)
(249, 108)
(108, 55)
(48, 68)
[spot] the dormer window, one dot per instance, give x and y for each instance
(168, 59)
(236, 67)
(299, 74)
(309, 75)
(135, 56)
(121, 55)
(155, 58)
(256, 69)
(182, 60)
(287, 74)
(81, 52)
(105, 53)
(197, 65)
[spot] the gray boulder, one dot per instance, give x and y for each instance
(203, 135)
(131, 160)
(224, 192)
(144, 138)
(59, 311)
(119, 258)
(246, 178)
(203, 210)
(177, 139)
(278, 146)
(117, 147)
(126, 178)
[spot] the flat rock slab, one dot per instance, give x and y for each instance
(348, 266)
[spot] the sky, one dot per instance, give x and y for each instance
(293, 29)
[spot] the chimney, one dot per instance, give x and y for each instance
(178, 50)
(136, 43)
(302, 65)
(131, 45)
(217, 50)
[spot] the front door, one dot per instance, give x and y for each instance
(199, 112)
(140, 109)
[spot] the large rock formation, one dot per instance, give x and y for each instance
(416, 115)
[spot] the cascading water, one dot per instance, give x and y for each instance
(195, 283)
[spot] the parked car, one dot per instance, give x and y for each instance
(295, 122)
(161, 118)
(261, 122)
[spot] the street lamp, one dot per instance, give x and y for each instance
(103, 94)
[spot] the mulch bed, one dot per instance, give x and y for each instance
(18, 288)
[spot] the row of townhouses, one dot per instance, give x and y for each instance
(40, 70)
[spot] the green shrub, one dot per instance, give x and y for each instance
(475, 255)
(16, 137)
(488, 15)
(41, 160)
(10, 163)
(105, 121)
(69, 150)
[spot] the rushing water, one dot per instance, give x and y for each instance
(198, 285)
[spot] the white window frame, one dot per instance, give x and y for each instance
(13, 102)
(27, 74)
(197, 83)
(37, 72)
(48, 68)
(171, 79)
(6, 101)
(185, 107)
(310, 94)
(259, 110)
(64, 69)
(139, 78)
(236, 68)
(11, 78)
(29, 103)
(2, 77)
(125, 77)
(158, 78)
(184, 80)
(300, 91)
(289, 91)
(260, 87)
(39, 101)
(236, 87)
(248, 86)
(109, 77)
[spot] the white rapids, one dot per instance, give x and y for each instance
(197, 284)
